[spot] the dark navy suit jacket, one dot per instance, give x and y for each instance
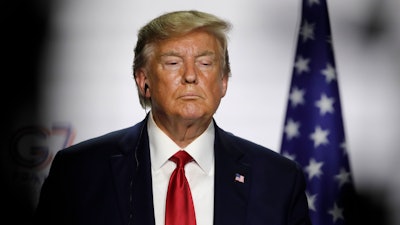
(107, 180)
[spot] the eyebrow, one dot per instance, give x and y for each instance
(206, 53)
(173, 53)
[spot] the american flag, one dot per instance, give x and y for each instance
(239, 178)
(313, 132)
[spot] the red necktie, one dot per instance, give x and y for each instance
(179, 207)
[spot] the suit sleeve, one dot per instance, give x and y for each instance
(50, 204)
(298, 212)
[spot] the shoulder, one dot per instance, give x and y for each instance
(254, 153)
(93, 155)
(113, 142)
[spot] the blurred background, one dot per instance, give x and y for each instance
(68, 78)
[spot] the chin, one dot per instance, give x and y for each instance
(194, 111)
(192, 114)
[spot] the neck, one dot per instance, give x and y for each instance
(181, 131)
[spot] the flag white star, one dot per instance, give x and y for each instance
(329, 72)
(343, 177)
(314, 168)
(319, 136)
(296, 97)
(292, 129)
(311, 201)
(336, 212)
(307, 31)
(301, 65)
(311, 2)
(325, 104)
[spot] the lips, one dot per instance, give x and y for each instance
(190, 96)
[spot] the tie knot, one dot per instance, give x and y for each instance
(181, 158)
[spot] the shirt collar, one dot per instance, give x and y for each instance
(162, 147)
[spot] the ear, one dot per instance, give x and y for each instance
(142, 82)
(224, 84)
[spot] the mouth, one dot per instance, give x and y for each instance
(190, 96)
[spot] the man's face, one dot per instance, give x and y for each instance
(185, 77)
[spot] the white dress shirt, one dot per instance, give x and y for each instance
(200, 172)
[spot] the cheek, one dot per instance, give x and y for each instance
(164, 88)
(167, 78)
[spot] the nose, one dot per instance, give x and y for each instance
(190, 73)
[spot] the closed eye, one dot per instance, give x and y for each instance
(171, 62)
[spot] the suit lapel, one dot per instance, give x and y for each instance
(132, 176)
(231, 196)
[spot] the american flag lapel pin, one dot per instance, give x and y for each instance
(239, 178)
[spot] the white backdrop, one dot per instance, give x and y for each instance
(88, 81)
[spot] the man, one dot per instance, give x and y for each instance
(181, 69)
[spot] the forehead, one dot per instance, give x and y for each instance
(196, 42)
